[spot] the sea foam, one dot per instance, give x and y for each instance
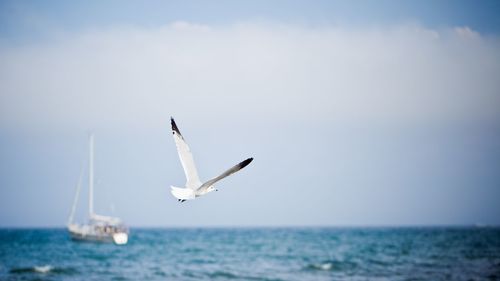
(43, 268)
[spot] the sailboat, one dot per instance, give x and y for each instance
(99, 228)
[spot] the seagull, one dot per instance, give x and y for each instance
(194, 188)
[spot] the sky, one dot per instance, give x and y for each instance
(357, 113)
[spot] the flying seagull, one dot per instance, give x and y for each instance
(194, 188)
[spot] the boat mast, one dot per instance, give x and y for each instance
(75, 200)
(91, 176)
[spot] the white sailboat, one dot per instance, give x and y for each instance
(99, 228)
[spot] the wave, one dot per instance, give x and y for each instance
(229, 275)
(42, 269)
(330, 265)
(223, 274)
(325, 266)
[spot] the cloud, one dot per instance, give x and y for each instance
(137, 77)
(466, 32)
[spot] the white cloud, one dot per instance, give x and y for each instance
(132, 77)
(466, 32)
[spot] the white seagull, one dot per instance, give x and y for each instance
(194, 188)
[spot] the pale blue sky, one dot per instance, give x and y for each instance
(357, 113)
(29, 21)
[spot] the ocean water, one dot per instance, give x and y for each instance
(256, 254)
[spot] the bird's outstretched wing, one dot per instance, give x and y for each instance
(229, 172)
(187, 161)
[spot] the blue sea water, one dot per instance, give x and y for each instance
(256, 254)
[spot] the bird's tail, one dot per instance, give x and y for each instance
(182, 193)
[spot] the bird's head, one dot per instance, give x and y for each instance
(211, 188)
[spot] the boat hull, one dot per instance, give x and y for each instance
(88, 233)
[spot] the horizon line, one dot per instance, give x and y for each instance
(2, 227)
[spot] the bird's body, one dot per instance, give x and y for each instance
(194, 188)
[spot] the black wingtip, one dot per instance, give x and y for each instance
(245, 163)
(174, 127)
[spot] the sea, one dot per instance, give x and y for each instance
(310, 253)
